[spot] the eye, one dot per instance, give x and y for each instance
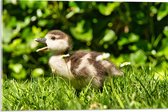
(53, 38)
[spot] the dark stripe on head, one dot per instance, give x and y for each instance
(57, 32)
(61, 34)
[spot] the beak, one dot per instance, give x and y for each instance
(43, 41)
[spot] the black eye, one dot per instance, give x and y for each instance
(53, 38)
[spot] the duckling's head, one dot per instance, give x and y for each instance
(56, 41)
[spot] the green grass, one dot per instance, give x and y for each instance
(139, 88)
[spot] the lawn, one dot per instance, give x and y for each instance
(139, 88)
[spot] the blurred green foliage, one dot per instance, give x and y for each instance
(135, 32)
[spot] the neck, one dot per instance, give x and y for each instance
(60, 66)
(61, 56)
(60, 53)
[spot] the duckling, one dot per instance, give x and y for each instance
(81, 67)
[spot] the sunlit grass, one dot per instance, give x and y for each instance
(139, 88)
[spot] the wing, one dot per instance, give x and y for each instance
(85, 64)
(103, 59)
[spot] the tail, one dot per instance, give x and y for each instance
(111, 69)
